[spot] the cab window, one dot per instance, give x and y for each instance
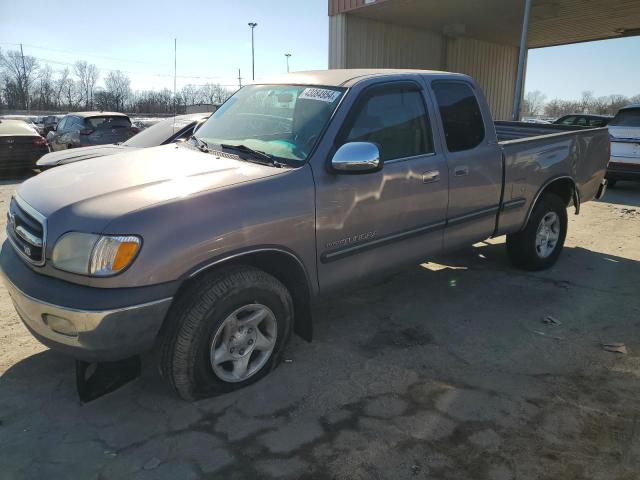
(460, 113)
(395, 119)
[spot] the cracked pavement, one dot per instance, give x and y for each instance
(444, 370)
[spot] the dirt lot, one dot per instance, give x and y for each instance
(442, 371)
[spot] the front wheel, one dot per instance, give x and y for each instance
(539, 245)
(225, 331)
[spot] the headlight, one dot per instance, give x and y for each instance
(96, 255)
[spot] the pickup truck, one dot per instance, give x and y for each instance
(214, 250)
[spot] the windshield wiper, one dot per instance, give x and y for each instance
(256, 153)
(201, 144)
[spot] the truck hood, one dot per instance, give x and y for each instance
(77, 154)
(101, 189)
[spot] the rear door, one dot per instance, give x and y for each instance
(372, 221)
(474, 161)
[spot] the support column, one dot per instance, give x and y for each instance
(517, 97)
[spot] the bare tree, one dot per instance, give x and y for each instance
(45, 88)
(213, 93)
(118, 89)
(21, 72)
(533, 103)
(190, 95)
(87, 78)
(59, 86)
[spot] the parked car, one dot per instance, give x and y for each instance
(216, 248)
(82, 129)
(167, 131)
(50, 123)
(582, 120)
(20, 146)
(624, 132)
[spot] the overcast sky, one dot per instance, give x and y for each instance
(214, 41)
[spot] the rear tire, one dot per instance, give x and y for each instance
(225, 331)
(539, 245)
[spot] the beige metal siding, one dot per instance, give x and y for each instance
(493, 66)
(337, 41)
(372, 44)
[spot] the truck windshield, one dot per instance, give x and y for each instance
(281, 120)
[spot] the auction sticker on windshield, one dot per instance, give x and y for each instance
(322, 94)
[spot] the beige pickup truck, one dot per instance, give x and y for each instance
(214, 249)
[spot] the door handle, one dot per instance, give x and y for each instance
(431, 176)
(461, 171)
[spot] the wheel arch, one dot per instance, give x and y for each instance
(280, 262)
(563, 186)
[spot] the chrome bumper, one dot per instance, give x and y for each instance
(91, 335)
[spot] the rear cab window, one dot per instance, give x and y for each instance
(460, 113)
(395, 118)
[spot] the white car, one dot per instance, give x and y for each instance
(624, 131)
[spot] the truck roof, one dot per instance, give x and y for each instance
(343, 77)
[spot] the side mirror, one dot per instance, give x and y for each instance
(357, 157)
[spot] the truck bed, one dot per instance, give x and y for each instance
(535, 154)
(507, 131)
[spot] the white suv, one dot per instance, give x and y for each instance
(624, 131)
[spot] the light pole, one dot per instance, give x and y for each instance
(253, 52)
(288, 55)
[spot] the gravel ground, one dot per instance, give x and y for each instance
(445, 371)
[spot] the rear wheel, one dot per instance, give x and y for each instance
(539, 245)
(226, 331)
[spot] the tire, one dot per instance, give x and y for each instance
(522, 248)
(218, 308)
(611, 183)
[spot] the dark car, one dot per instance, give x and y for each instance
(166, 131)
(20, 146)
(582, 120)
(49, 123)
(82, 129)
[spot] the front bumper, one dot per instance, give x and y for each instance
(104, 334)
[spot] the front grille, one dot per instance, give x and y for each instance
(26, 229)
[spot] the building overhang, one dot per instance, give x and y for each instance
(552, 22)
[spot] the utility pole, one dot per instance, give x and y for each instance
(175, 73)
(24, 80)
(239, 79)
(253, 25)
(288, 55)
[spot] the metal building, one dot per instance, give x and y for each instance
(479, 37)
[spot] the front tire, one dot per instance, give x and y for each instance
(225, 331)
(539, 245)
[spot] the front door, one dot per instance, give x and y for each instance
(369, 222)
